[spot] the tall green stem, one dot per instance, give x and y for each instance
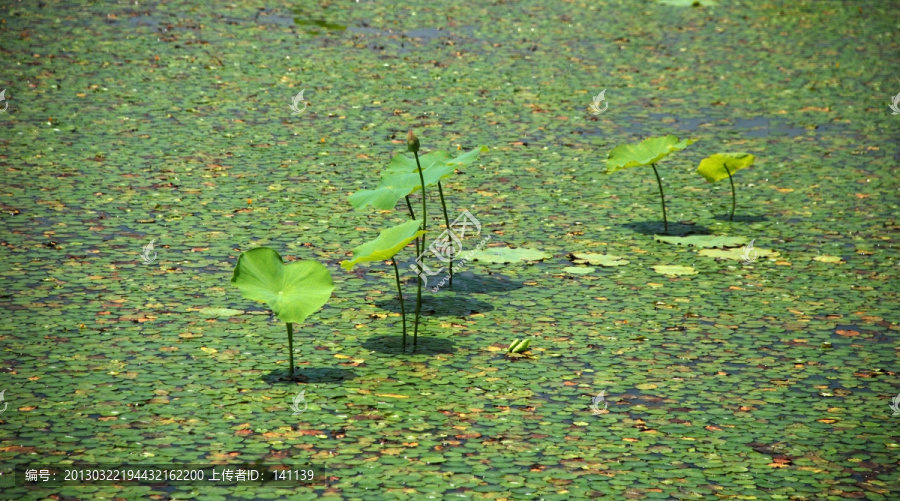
(662, 198)
(447, 221)
(424, 224)
(400, 293)
(732, 191)
(412, 215)
(290, 329)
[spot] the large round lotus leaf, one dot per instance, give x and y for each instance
(704, 241)
(293, 292)
(669, 269)
(713, 167)
(389, 243)
(648, 151)
(507, 255)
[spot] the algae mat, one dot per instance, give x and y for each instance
(695, 371)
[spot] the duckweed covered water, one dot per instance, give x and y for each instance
(721, 378)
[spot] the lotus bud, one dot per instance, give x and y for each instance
(412, 142)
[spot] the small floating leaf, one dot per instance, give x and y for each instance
(507, 255)
(578, 270)
(219, 312)
(675, 270)
(735, 254)
(705, 241)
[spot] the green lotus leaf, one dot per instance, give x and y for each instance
(391, 188)
(293, 292)
(404, 164)
(649, 151)
(219, 312)
(507, 255)
(703, 241)
(468, 157)
(713, 167)
(579, 270)
(674, 270)
(389, 242)
(396, 185)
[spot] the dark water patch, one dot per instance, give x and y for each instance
(310, 375)
(438, 304)
(657, 228)
(393, 344)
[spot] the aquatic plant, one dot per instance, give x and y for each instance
(292, 292)
(519, 346)
(389, 242)
(404, 176)
(721, 165)
(647, 152)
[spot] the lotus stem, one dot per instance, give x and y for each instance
(662, 198)
(290, 331)
(400, 293)
(424, 223)
(732, 192)
(412, 215)
(447, 221)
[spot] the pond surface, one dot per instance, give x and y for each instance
(676, 372)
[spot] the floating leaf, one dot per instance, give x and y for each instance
(293, 292)
(713, 167)
(578, 270)
(735, 254)
(648, 151)
(507, 255)
(667, 269)
(389, 242)
(599, 259)
(219, 312)
(705, 241)
(828, 259)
